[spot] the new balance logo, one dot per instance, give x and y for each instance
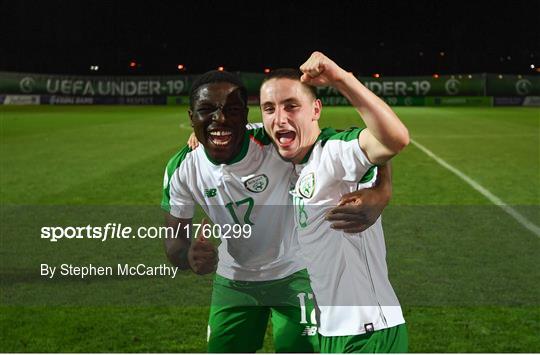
(210, 192)
(310, 331)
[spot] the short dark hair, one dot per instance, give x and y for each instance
(289, 73)
(216, 76)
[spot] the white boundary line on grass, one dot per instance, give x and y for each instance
(491, 197)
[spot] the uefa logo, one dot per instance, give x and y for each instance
(452, 86)
(523, 87)
(27, 84)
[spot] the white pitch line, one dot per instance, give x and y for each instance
(491, 197)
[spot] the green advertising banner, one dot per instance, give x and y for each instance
(177, 100)
(444, 85)
(459, 101)
(387, 87)
(419, 86)
(451, 85)
(24, 83)
(405, 100)
(512, 85)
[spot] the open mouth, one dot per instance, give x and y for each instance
(220, 137)
(285, 138)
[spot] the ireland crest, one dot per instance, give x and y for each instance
(307, 185)
(257, 183)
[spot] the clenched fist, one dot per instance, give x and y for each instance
(319, 70)
(202, 255)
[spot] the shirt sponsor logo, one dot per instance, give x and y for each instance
(257, 183)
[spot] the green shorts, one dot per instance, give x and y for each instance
(390, 340)
(240, 310)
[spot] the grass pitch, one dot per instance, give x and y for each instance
(464, 270)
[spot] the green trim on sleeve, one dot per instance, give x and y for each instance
(329, 133)
(348, 135)
(172, 165)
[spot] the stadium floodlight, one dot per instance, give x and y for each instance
(181, 67)
(266, 70)
(220, 68)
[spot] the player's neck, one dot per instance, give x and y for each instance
(306, 149)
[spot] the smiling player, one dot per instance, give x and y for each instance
(359, 311)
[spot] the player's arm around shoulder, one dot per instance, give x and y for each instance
(358, 210)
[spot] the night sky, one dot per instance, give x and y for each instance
(366, 37)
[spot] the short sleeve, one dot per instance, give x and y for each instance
(176, 195)
(343, 156)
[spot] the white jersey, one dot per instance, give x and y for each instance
(348, 272)
(252, 189)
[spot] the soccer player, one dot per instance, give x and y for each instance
(238, 178)
(359, 311)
